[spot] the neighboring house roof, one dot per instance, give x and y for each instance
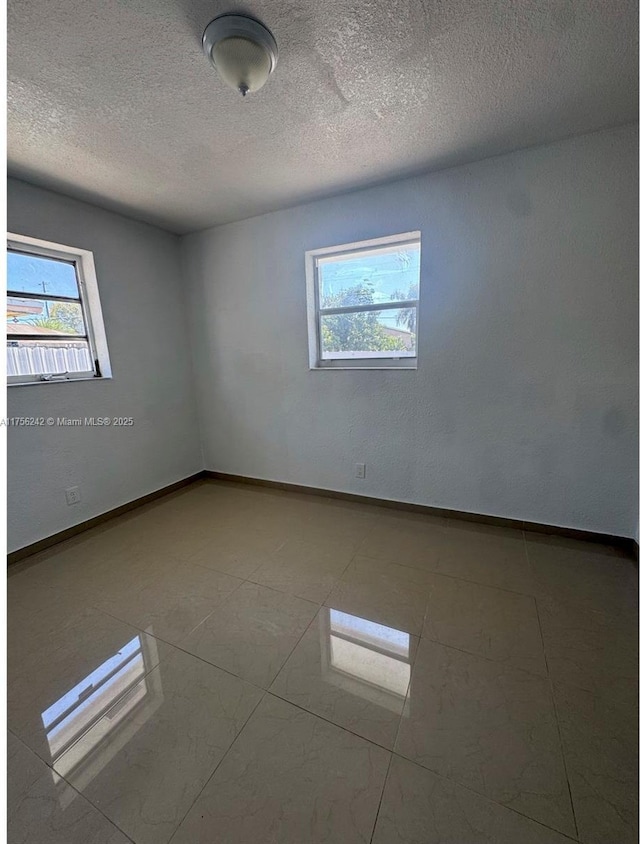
(401, 334)
(20, 307)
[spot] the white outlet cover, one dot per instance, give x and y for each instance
(360, 470)
(73, 495)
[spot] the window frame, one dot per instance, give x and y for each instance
(89, 300)
(315, 312)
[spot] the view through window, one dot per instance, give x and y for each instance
(49, 329)
(365, 299)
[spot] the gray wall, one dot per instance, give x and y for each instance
(140, 287)
(524, 403)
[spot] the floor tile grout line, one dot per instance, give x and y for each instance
(553, 701)
(221, 760)
(299, 597)
(320, 606)
(485, 796)
(205, 661)
(418, 636)
(281, 592)
(450, 576)
(209, 615)
(384, 786)
(392, 753)
(404, 702)
(286, 592)
(71, 786)
(485, 658)
(33, 753)
(295, 647)
(125, 692)
(188, 653)
(327, 720)
(385, 561)
(559, 729)
(217, 607)
(267, 691)
(181, 559)
(361, 543)
(455, 782)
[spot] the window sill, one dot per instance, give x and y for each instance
(60, 381)
(378, 368)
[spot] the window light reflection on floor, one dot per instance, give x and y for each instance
(89, 724)
(368, 659)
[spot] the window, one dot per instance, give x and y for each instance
(362, 302)
(54, 322)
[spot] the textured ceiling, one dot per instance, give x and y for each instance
(113, 101)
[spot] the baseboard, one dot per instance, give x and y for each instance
(74, 530)
(627, 544)
(630, 546)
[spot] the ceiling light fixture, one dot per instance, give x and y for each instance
(242, 50)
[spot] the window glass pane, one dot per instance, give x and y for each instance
(369, 334)
(31, 274)
(48, 357)
(42, 316)
(376, 275)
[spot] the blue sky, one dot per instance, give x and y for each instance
(387, 272)
(26, 274)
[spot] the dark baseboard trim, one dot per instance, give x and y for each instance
(74, 530)
(623, 542)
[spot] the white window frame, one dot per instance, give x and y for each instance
(315, 312)
(85, 270)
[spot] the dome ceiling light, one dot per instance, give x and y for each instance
(242, 50)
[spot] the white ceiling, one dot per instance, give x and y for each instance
(113, 101)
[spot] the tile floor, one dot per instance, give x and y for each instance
(238, 665)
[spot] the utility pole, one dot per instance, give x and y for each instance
(44, 290)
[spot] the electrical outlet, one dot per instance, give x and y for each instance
(360, 470)
(73, 495)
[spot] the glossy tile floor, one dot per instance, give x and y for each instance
(237, 665)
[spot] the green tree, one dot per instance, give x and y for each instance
(407, 316)
(69, 315)
(359, 332)
(63, 316)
